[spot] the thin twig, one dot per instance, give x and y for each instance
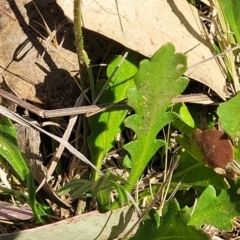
(214, 57)
(168, 178)
(66, 135)
(15, 117)
(110, 78)
(193, 98)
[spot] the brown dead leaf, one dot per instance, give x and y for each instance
(30, 65)
(93, 225)
(12, 212)
(145, 26)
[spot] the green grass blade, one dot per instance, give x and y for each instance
(9, 148)
(231, 8)
(106, 125)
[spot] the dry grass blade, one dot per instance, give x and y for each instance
(226, 52)
(156, 198)
(110, 78)
(15, 117)
(225, 39)
(52, 35)
(66, 135)
(193, 98)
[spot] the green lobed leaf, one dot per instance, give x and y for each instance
(229, 116)
(184, 114)
(106, 125)
(172, 225)
(216, 210)
(158, 81)
(9, 148)
(184, 123)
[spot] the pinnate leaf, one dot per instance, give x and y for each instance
(172, 225)
(157, 82)
(216, 210)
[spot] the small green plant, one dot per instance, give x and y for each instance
(174, 224)
(202, 195)
(158, 81)
(9, 152)
(106, 125)
(222, 194)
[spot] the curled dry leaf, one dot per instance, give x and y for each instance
(217, 148)
(145, 26)
(12, 212)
